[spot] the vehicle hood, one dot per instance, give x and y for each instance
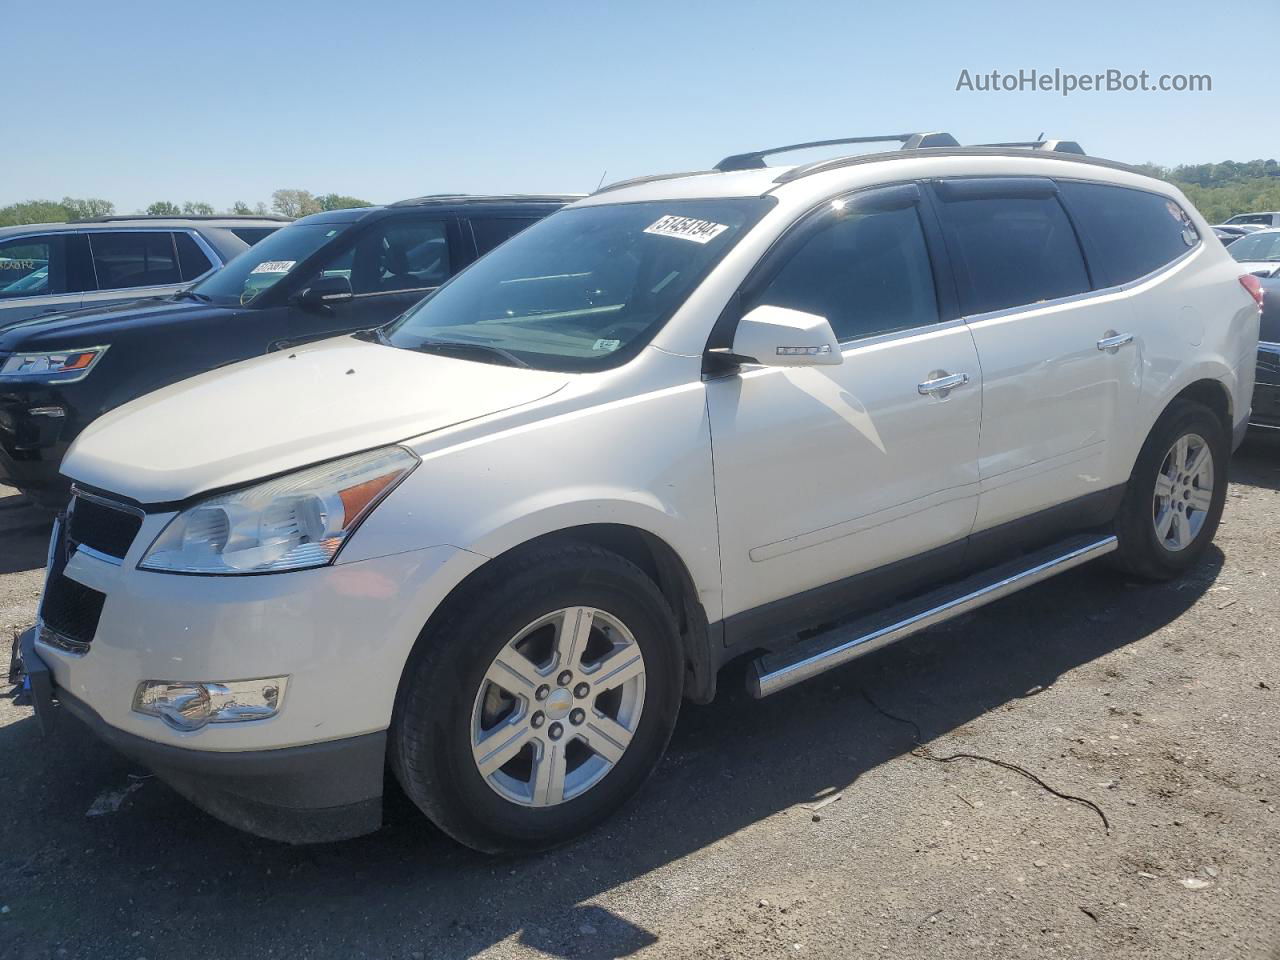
(287, 410)
(94, 326)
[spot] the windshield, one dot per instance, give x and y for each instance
(266, 263)
(1257, 246)
(583, 289)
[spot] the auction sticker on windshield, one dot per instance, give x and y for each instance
(274, 266)
(686, 228)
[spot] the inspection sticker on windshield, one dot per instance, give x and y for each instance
(274, 266)
(686, 228)
(609, 345)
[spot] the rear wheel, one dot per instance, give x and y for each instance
(541, 700)
(1174, 499)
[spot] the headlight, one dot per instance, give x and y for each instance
(294, 521)
(53, 366)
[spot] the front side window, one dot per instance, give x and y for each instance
(31, 267)
(1128, 233)
(255, 271)
(491, 231)
(583, 289)
(1257, 247)
(1012, 251)
(866, 272)
(134, 259)
(191, 259)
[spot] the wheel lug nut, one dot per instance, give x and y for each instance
(565, 678)
(555, 731)
(577, 716)
(543, 692)
(537, 720)
(581, 690)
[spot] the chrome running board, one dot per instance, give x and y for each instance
(842, 643)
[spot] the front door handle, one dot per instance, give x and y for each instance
(940, 384)
(1113, 341)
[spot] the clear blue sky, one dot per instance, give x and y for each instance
(220, 101)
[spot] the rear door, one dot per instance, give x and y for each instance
(1060, 371)
(392, 264)
(825, 472)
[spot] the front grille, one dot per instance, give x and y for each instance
(71, 609)
(100, 527)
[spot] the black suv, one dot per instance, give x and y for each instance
(321, 276)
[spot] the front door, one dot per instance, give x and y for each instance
(392, 265)
(826, 472)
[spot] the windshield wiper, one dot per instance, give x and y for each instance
(462, 346)
(188, 294)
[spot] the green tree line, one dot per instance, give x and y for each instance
(286, 202)
(1221, 190)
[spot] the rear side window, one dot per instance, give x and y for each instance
(192, 261)
(134, 259)
(252, 235)
(1127, 233)
(491, 232)
(1262, 218)
(867, 273)
(1012, 251)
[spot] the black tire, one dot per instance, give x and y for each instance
(431, 730)
(1142, 552)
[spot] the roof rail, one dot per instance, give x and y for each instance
(490, 198)
(182, 216)
(909, 141)
(986, 150)
(1053, 146)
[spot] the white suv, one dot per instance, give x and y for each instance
(785, 413)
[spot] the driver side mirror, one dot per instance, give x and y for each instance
(782, 337)
(325, 291)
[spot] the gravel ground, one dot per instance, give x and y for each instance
(1157, 704)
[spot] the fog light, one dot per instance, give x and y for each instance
(191, 705)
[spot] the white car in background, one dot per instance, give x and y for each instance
(1259, 253)
(783, 413)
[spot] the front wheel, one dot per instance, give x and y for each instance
(541, 701)
(1174, 499)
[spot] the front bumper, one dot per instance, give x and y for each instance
(34, 437)
(1266, 390)
(306, 794)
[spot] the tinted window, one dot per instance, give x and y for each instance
(867, 273)
(490, 233)
(394, 255)
(1257, 246)
(583, 289)
(32, 267)
(1263, 218)
(191, 258)
(129, 259)
(1128, 233)
(1012, 251)
(252, 235)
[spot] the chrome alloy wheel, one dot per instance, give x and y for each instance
(558, 707)
(1184, 492)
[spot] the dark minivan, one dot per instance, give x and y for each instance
(325, 275)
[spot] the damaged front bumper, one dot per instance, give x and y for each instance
(304, 794)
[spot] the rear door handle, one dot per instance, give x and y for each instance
(942, 384)
(1114, 341)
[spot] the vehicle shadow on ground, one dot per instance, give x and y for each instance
(24, 533)
(160, 867)
(1257, 462)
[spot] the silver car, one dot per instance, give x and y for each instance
(55, 267)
